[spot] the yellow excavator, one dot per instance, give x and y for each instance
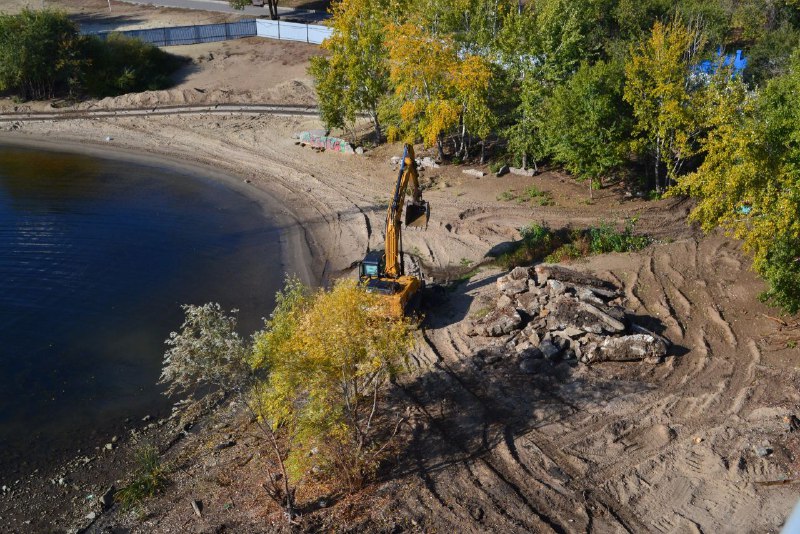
(382, 271)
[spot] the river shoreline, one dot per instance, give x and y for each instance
(297, 253)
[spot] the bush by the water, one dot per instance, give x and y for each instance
(148, 480)
(43, 55)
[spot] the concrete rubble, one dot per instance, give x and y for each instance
(551, 312)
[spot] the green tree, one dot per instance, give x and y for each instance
(542, 46)
(329, 360)
(354, 77)
(40, 53)
(658, 87)
(587, 123)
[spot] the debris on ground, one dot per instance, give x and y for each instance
(553, 312)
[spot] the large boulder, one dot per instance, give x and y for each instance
(498, 322)
(625, 348)
(566, 311)
(546, 271)
(510, 287)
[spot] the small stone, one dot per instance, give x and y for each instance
(114, 439)
(528, 366)
(511, 287)
(197, 506)
(474, 172)
(519, 273)
(91, 516)
(791, 423)
(109, 446)
(529, 303)
(762, 451)
(360, 150)
(556, 288)
(224, 445)
(698, 440)
(146, 418)
(549, 349)
(107, 499)
(395, 160)
(109, 139)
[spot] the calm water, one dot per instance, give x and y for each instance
(96, 257)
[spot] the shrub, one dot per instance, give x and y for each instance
(605, 238)
(40, 54)
(537, 242)
(330, 356)
(121, 64)
(149, 479)
(782, 273)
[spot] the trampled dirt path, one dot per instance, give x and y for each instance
(616, 447)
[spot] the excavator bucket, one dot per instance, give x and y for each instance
(418, 214)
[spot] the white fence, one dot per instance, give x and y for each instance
(292, 31)
(206, 33)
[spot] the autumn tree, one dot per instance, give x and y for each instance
(749, 180)
(354, 76)
(587, 123)
(329, 361)
(659, 88)
(435, 85)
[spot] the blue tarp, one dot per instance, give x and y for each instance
(737, 62)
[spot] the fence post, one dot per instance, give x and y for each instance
(164, 39)
(279, 30)
(227, 32)
(196, 34)
(307, 41)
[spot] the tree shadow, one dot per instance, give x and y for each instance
(449, 302)
(95, 22)
(464, 410)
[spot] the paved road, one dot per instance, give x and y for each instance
(223, 7)
(39, 116)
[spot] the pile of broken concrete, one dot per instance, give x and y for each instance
(552, 312)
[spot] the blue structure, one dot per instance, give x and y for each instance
(709, 67)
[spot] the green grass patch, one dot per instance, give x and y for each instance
(562, 246)
(149, 479)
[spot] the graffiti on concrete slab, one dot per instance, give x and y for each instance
(318, 139)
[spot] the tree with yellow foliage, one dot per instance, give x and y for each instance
(437, 87)
(749, 181)
(329, 357)
(658, 87)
